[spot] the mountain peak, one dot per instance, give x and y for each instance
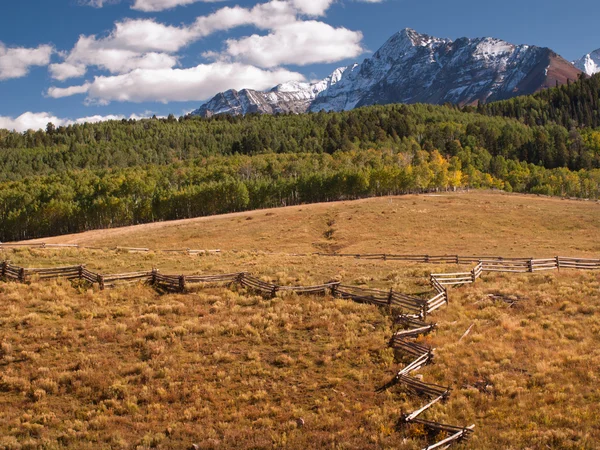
(590, 63)
(415, 68)
(414, 38)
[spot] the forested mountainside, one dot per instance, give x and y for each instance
(82, 177)
(572, 105)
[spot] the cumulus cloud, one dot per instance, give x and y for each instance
(299, 43)
(263, 16)
(312, 7)
(56, 92)
(133, 44)
(28, 121)
(37, 121)
(165, 85)
(141, 55)
(147, 44)
(15, 62)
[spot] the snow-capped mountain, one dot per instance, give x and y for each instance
(414, 68)
(295, 97)
(590, 63)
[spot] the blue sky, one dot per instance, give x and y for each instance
(64, 60)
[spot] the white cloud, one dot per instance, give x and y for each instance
(145, 35)
(37, 121)
(98, 3)
(133, 44)
(264, 16)
(147, 44)
(161, 5)
(166, 85)
(308, 7)
(312, 7)
(56, 92)
(300, 43)
(141, 55)
(16, 62)
(28, 121)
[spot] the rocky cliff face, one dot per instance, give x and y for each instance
(413, 68)
(416, 68)
(292, 97)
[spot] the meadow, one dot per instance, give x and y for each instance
(224, 368)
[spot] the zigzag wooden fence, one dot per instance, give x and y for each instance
(414, 310)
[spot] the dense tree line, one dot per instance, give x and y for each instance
(79, 200)
(129, 143)
(572, 105)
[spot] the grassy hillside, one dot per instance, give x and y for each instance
(465, 223)
(129, 368)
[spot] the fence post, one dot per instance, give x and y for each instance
(457, 261)
(22, 275)
(334, 289)
(274, 291)
(426, 258)
(240, 277)
(100, 279)
(530, 264)
(154, 273)
(446, 295)
(558, 263)
(81, 271)
(473, 276)
(390, 296)
(384, 257)
(182, 283)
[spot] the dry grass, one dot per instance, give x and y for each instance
(528, 373)
(128, 368)
(466, 223)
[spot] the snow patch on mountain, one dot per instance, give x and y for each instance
(590, 63)
(414, 68)
(293, 96)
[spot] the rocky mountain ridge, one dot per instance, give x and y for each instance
(413, 68)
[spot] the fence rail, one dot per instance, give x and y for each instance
(488, 263)
(179, 283)
(414, 310)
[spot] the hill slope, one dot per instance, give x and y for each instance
(500, 224)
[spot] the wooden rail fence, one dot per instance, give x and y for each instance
(413, 310)
(489, 263)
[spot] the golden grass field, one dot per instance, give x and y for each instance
(467, 223)
(220, 368)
